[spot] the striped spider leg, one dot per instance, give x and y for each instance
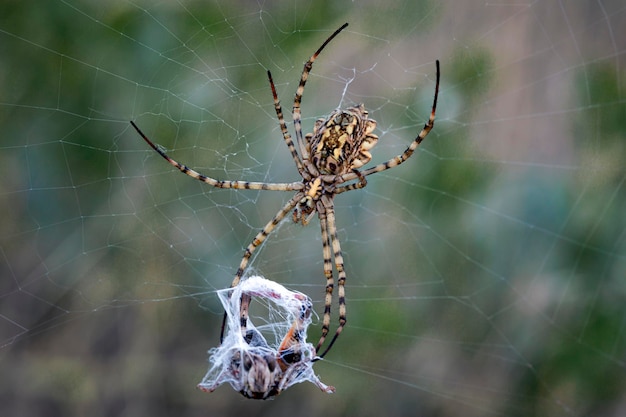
(327, 160)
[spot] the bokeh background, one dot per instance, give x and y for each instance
(486, 276)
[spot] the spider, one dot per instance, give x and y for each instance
(327, 160)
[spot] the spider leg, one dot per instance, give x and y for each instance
(256, 242)
(332, 238)
(283, 126)
(341, 274)
(328, 273)
(397, 160)
(297, 121)
(247, 185)
(362, 182)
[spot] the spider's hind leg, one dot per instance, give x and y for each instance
(331, 249)
(333, 240)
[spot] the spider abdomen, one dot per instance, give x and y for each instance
(341, 143)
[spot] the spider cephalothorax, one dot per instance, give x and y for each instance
(341, 142)
(327, 161)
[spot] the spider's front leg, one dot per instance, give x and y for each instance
(256, 242)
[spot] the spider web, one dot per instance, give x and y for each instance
(485, 275)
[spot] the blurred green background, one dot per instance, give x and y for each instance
(486, 276)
